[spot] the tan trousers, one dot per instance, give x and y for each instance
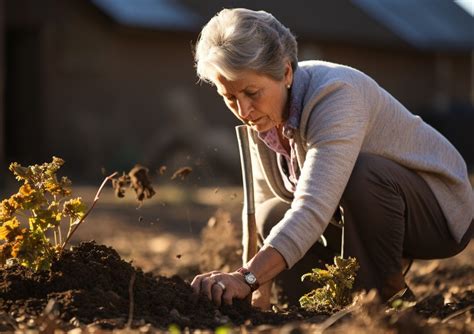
(390, 213)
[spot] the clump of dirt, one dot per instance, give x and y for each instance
(91, 284)
(138, 179)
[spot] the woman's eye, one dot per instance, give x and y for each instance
(252, 94)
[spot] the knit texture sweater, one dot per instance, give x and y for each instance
(345, 112)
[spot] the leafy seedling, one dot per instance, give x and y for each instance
(336, 286)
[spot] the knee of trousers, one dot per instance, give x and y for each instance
(268, 214)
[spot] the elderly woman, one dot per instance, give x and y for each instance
(327, 135)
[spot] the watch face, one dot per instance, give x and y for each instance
(250, 278)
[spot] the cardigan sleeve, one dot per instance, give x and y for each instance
(335, 133)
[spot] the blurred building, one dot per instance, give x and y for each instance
(110, 83)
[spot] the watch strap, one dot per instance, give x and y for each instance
(246, 273)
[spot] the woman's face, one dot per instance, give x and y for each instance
(257, 100)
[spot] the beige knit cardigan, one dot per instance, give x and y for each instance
(345, 112)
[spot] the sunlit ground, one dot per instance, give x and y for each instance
(163, 234)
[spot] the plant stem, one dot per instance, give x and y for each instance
(131, 304)
(342, 232)
(96, 198)
(60, 235)
(70, 227)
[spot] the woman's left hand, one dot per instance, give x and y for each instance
(221, 287)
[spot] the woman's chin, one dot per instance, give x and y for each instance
(261, 126)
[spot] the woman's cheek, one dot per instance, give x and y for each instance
(229, 106)
(234, 111)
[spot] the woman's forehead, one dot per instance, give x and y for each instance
(243, 80)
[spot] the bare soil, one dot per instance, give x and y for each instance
(91, 284)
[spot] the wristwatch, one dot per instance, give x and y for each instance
(249, 278)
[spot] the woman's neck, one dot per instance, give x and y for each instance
(283, 140)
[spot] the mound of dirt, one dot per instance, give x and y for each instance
(92, 284)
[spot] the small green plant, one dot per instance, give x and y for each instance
(335, 293)
(42, 203)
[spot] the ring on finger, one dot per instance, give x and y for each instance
(221, 285)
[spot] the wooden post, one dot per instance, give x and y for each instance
(249, 227)
(3, 23)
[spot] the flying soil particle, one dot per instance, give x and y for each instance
(137, 179)
(162, 170)
(182, 173)
(140, 182)
(120, 184)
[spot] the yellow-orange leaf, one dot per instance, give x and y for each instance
(7, 227)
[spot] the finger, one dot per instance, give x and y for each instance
(227, 297)
(206, 286)
(196, 283)
(217, 292)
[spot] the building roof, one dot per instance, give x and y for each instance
(425, 24)
(422, 24)
(154, 14)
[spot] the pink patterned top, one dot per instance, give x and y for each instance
(287, 163)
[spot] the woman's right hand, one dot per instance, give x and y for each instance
(221, 287)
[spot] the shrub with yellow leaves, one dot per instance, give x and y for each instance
(41, 204)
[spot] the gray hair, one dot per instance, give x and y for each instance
(241, 39)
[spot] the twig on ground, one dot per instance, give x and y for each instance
(47, 322)
(130, 293)
(9, 320)
(457, 313)
(334, 318)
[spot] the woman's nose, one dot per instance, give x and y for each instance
(243, 108)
